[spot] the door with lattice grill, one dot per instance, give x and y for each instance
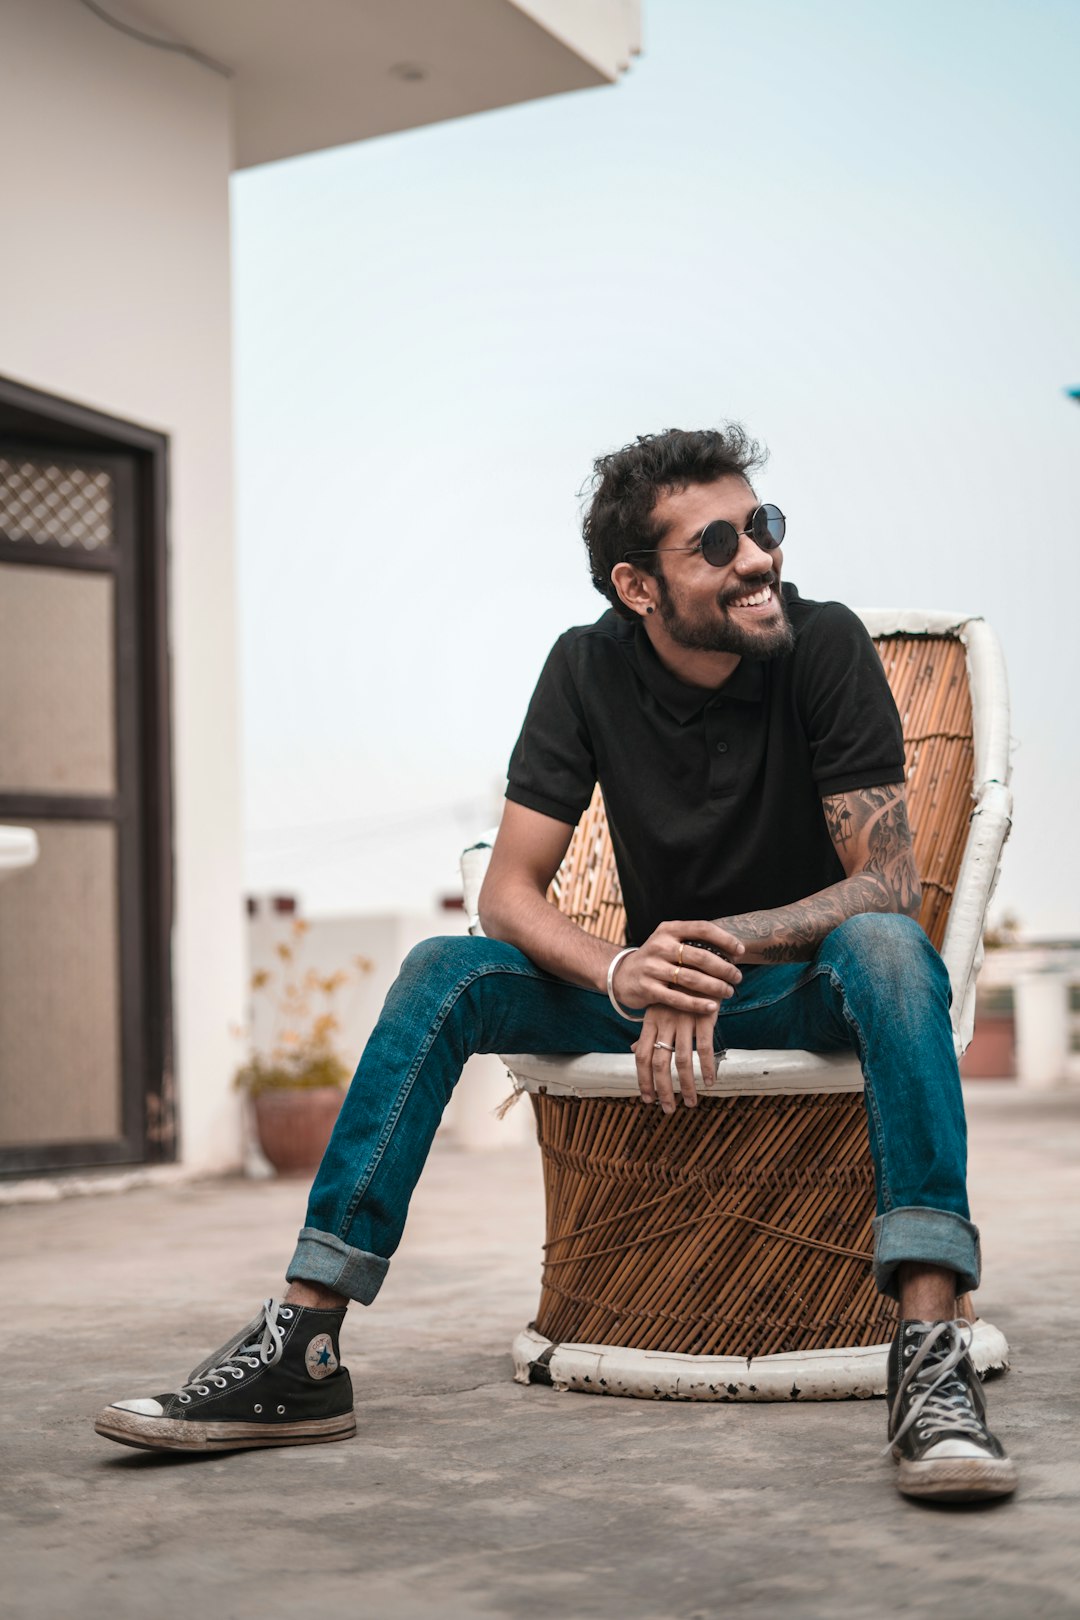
(72, 1005)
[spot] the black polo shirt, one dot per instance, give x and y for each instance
(713, 797)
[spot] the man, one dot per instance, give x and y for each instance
(752, 765)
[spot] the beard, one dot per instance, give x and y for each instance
(703, 632)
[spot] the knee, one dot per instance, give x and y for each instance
(447, 957)
(451, 960)
(887, 946)
(448, 980)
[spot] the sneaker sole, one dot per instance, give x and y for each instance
(178, 1434)
(958, 1479)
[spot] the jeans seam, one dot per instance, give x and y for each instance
(452, 997)
(869, 1095)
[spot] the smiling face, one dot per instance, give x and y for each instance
(735, 610)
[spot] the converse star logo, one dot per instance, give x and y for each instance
(319, 1357)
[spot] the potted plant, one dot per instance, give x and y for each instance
(297, 1084)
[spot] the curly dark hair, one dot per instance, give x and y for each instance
(627, 483)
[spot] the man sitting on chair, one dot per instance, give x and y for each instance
(752, 765)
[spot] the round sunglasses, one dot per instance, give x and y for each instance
(718, 541)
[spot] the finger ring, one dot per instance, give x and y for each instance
(663, 1045)
(675, 975)
(682, 944)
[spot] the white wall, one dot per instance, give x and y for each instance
(114, 291)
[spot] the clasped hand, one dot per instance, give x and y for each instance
(681, 983)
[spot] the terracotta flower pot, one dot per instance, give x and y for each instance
(294, 1126)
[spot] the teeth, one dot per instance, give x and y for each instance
(756, 600)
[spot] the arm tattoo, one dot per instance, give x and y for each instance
(793, 933)
(892, 856)
(869, 829)
(877, 838)
(855, 810)
(838, 820)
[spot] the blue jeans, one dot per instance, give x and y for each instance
(876, 987)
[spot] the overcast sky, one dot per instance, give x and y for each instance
(851, 226)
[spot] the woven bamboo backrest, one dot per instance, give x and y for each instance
(928, 677)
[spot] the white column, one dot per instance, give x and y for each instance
(1041, 1001)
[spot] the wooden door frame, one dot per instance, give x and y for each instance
(43, 421)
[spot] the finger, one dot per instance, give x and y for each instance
(700, 981)
(703, 1035)
(661, 1075)
(697, 1006)
(657, 969)
(697, 961)
(643, 1051)
(684, 1061)
(712, 934)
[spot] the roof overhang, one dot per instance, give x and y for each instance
(328, 72)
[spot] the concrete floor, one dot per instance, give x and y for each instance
(466, 1495)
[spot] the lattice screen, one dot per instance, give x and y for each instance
(48, 503)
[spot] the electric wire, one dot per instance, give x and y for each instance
(159, 44)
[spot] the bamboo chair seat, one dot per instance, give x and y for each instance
(725, 1253)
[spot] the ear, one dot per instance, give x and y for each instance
(636, 589)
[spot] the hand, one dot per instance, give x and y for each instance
(682, 1031)
(670, 971)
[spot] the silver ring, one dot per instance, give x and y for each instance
(663, 1045)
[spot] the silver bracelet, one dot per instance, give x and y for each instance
(631, 1018)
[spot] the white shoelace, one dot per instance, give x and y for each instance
(262, 1341)
(943, 1402)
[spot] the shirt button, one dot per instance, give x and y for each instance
(721, 748)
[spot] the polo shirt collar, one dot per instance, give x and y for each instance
(746, 683)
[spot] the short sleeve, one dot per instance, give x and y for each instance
(553, 766)
(852, 725)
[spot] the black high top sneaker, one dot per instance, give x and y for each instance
(937, 1417)
(279, 1382)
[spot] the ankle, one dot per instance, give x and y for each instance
(927, 1293)
(315, 1297)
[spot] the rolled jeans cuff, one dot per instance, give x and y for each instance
(320, 1257)
(934, 1237)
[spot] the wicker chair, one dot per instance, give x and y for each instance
(725, 1253)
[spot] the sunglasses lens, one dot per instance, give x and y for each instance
(769, 527)
(719, 543)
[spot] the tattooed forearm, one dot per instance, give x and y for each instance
(793, 933)
(870, 832)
